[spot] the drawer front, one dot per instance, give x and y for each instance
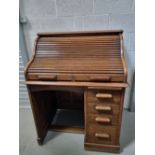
(74, 77)
(103, 120)
(102, 134)
(104, 96)
(102, 108)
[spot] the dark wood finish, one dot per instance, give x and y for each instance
(79, 71)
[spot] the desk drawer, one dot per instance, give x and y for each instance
(103, 120)
(104, 96)
(102, 108)
(102, 134)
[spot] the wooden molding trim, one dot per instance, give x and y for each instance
(78, 84)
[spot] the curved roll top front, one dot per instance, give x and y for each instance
(96, 55)
(79, 47)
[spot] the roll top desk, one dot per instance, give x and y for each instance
(80, 73)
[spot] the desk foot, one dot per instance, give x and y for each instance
(40, 141)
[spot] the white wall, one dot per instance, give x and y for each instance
(77, 15)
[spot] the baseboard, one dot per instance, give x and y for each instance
(102, 147)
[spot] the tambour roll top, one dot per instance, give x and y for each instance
(78, 56)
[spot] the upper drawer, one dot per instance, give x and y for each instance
(75, 77)
(104, 96)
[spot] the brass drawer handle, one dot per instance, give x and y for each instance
(103, 108)
(102, 135)
(103, 119)
(47, 77)
(101, 95)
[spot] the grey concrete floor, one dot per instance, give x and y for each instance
(58, 143)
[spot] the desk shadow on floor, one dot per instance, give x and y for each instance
(128, 129)
(50, 136)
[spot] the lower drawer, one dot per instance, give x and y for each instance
(102, 134)
(103, 120)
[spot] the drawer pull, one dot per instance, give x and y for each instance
(102, 135)
(98, 78)
(101, 95)
(102, 119)
(103, 108)
(47, 77)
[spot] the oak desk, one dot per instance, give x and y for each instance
(79, 73)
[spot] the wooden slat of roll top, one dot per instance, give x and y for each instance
(70, 69)
(78, 72)
(70, 55)
(62, 63)
(86, 50)
(100, 61)
(96, 47)
(108, 50)
(75, 44)
(74, 56)
(77, 40)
